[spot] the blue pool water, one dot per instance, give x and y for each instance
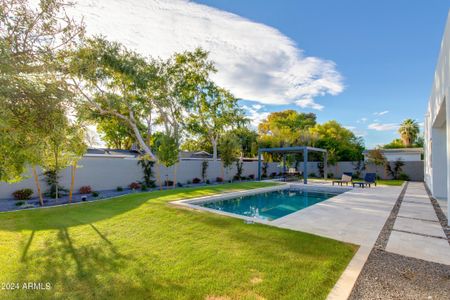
(271, 205)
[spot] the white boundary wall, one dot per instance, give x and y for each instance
(437, 125)
(108, 173)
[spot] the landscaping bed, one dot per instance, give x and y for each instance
(12, 205)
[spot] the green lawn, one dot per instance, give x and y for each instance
(391, 182)
(140, 247)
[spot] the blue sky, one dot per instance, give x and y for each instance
(386, 52)
(367, 64)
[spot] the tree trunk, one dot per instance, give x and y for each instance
(158, 171)
(174, 176)
(56, 174)
(141, 141)
(38, 186)
(214, 145)
(72, 181)
(223, 171)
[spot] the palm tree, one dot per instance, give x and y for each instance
(409, 130)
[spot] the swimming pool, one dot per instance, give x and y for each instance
(270, 205)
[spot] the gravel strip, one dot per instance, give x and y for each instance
(391, 276)
(385, 233)
(440, 214)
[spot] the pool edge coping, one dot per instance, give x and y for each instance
(192, 202)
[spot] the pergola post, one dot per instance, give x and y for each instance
(288, 150)
(259, 165)
(325, 165)
(305, 165)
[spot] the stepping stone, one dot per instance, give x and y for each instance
(430, 228)
(418, 211)
(418, 246)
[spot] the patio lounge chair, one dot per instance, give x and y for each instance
(346, 178)
(369, 179)
(292, 172)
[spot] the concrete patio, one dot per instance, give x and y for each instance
(356, 216)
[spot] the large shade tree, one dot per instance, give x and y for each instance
(343, 143)
(212, 110)
(113, 82)
(32, 35)
(286, 128)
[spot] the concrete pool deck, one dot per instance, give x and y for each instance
(356, 216)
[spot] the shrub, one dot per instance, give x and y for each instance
(312, 175)
(19, 203)
(403, 176)
(207, 181)
(204, 169)
(239, 169)
(235, 177)
(168, 183)
(95, 194)
(85, 189)
(219, 179)
(251, 176)
(179, 184)
(55, 189)
(119, 189)
(330, 175)
(196, 180)
(144, 188)
(134, 185)
(23, 194)
(273, 174)
(188, 182)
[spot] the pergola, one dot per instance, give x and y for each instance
(290, 150)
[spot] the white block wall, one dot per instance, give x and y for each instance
(437, 125)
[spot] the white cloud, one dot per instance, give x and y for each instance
(255, 115)
(255, 61)
(309, 103)
(383, 127)
(381, 113)
(362, 120)
(356, 131)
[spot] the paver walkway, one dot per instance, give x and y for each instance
(417, 232)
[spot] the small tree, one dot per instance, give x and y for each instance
(63, 148)
(204, 169)
(229, 149)
(239, 168)
(147, 166)
(377, 158)
(167, 152)
(359, 166)
(397, 170)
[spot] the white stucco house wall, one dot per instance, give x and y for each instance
(437, 127)
(404, 154)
